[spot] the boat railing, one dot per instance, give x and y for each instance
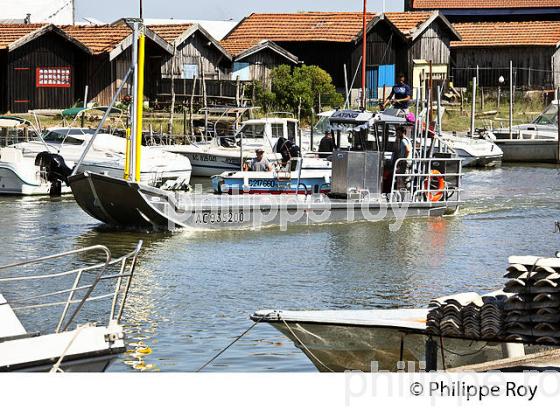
(418, 178)
(106, 280)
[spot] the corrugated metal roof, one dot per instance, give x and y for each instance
(526, 33)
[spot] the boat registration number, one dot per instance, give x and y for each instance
(211, 218)
(204, 157)
(265, 183)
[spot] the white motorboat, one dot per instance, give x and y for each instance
(68, 334)
(225, 153)
(376, 340)
(534, 142)
(475, 152)
(291, 179)
(20, 175)
(107, 156)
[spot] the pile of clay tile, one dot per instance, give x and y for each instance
(532, 313)
(467, 315)
(526, 310)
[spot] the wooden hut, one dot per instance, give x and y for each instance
(324, 39)
(490, 10)
(532, 46)
(407, 43)
(40, 66)
(333, 41)
(255, 62)
(111, 56)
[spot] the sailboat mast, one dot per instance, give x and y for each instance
(139, 104)
(364, 52)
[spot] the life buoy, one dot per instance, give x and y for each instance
(436, 184)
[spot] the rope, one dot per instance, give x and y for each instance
(56, 368)
(306, 349)
(229, 345)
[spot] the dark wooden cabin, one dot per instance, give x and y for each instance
(532, 46)
(111, 57)
(490, 10)
(314, 38)
(40, 67)
(404, 43)
(257, 62)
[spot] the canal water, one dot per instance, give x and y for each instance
(193, 292)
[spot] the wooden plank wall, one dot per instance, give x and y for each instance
(195, 50)
(49, 50)
(533, 65)
(261, 65)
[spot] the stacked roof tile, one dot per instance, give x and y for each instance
(99, 39)
(170, 32)
(9, 33)
(483, 4)
(526, 33)
(308, 26)
(526, 310)
(408, 22)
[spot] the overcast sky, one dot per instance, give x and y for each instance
(109, 10)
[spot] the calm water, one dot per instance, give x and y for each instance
(193, 293)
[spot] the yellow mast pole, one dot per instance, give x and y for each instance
(140, 104)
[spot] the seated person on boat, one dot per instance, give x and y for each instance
(259, 163)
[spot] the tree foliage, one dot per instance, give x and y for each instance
(302, 88)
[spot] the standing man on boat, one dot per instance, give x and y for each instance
(327, 145)
(259, 163)
(400, 96)
(402, 150)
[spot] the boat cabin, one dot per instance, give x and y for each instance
(371, 165)
(265, 133)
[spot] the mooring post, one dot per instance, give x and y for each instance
(473, 108)
(511, 99)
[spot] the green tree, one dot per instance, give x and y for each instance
(301, 89)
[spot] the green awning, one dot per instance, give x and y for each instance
(75, 111)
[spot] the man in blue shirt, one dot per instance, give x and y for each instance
(401, 94)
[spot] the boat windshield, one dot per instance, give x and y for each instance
(72, 137)
(549, 116)
(252, 131)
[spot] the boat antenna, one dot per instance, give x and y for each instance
(364, 51)
(141, 10)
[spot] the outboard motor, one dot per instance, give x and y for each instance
(55, 169)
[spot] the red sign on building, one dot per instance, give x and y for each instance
(53, 77)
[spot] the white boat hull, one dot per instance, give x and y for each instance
(534, 150)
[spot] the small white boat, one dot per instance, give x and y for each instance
(534, 142)
(475, 152)
(107, 156)
(77, 338)
(375, 340)
(20, 175)
(292, 179)
(224, 153)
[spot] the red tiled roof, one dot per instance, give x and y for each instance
(10, 33)
(306, 26)
(170, 32)
(483, 4)
(99, 39)
(408, 22)
(507, 34)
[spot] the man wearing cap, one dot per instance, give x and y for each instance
(260, 163)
